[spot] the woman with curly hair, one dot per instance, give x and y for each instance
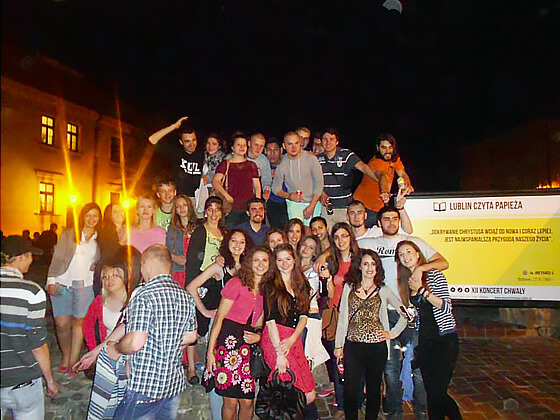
(239, 312)
(294, 232)
(438, 344)
(183, 223)
(363, 335)
(286, 304)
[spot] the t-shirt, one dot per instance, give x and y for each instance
(239, 181)
(385, 248)
(142, 239)
(257, 237)
(245, 302)
(163, 219)
(343, 267)
(186, 169)
(274, 197)
(337, 175)
(368, 190)
(373, 232)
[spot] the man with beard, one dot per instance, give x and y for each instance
(389, 221)
(374, 194)
(255, 227)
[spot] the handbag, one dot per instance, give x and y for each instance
(280, 400)
(329, 319)
(259, 367)
(227, 207)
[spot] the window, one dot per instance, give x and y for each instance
(115, 198)
(72, 137)
(46, 198)
(47, 130)
(115, 152)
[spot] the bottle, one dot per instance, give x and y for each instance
(340, 368)
(330, 209)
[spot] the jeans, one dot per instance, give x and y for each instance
(358, 357)
(437, 362)
(277, 214)
(393, 398)
(333, 374)
(135, 406)
(27, 402)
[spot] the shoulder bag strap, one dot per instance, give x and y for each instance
(363, 303)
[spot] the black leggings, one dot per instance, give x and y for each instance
(358, 357)
(437, 358)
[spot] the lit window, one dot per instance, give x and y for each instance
(46, 197)
(72, 137)
(47, 130)
(115, 198)
(115, 152)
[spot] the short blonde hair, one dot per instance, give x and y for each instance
(154, 204)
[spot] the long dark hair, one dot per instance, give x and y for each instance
(274, 289)
(229, 261)
(85, 210)
(291, 223)
(335, 256)
(246, 271)
(391, 139)
(217, 200)
(354, 276)
(317, 241)
(403, 273)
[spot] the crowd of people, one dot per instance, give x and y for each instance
(252, 248)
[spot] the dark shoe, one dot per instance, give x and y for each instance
(194, 380)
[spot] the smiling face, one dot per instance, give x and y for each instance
(117, 215)
(329, 142)
(386, 150)
(212, 145)
(239, 147)
(91, 218)
(368, 267)
(342, 240)
(285, 262)
(237, 244)
(182, 207)
(260, 263)
(213, 213)
(408, 256)
(294, 234)
(166, 193)
(275, 239)
(308, 249)
(188, 141)
(256, 145)
(256, 212)
(146, 209)
(319, 229)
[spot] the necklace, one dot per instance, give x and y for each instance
(368, 289)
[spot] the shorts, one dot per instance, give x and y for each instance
(74, 300)
(295, 210)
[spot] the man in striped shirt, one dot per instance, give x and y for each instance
(389, 221)
(337, 165)
(24, 351)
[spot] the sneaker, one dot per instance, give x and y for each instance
(325, 393)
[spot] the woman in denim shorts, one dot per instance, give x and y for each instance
(70, 283)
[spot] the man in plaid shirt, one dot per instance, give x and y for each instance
(160, 320)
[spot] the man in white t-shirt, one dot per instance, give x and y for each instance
(389, 221)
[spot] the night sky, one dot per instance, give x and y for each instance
(441, 76)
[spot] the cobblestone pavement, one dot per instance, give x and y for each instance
(505, 378)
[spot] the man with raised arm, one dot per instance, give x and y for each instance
(186, 161)
(25, 352)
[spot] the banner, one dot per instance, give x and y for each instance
(498, 247)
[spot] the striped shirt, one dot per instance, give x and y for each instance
(437, 283)
(22, 327)
(337, 175)
(166, 312)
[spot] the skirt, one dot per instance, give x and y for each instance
(297, 361)
(232, 377)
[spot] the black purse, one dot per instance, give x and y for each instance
(259, 368)
(279, 400)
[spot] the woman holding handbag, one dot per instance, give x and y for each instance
(363, 335)
(286, 304)
(237, 180)
(229, 349)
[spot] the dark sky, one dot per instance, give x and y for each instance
(442, 75)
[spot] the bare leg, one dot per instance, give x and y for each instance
(245, 409)
(191, 371)
(229, 409)
(64, 334)
(310, 397)
(77, 340)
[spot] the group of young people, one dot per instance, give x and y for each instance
(253, 283)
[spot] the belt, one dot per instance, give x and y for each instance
(23, 385)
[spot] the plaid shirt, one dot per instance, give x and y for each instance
(166, 312)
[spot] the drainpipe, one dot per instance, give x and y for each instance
(95, 159)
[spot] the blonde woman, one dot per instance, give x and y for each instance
(145, 232)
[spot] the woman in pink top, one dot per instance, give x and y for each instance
(145, 232)
(240, 309)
